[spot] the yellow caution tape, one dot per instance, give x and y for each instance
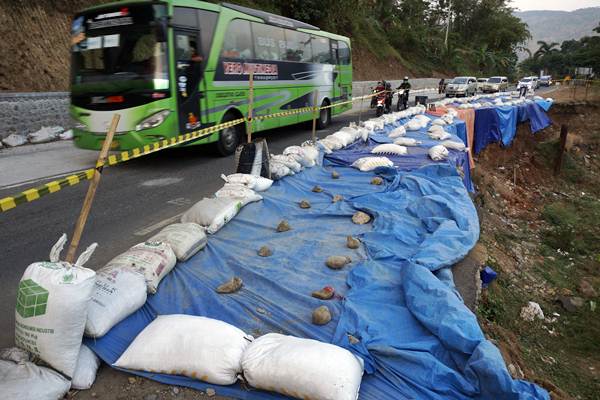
(32, 194)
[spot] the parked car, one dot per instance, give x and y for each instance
(530, 82)
(462, 86)
(546, 80)
(481, 83)
(496, 84)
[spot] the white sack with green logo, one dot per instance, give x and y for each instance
(51, 311)
(155, 259)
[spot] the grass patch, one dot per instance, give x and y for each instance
(574, 226)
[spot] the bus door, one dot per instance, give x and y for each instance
(344, 77)
(337, 86)
(189, 64)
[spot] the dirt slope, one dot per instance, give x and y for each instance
(542, 237)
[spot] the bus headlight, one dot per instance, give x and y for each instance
(153, 121)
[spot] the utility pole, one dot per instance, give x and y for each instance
(448, 24)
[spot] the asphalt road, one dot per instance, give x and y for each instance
(133, 202)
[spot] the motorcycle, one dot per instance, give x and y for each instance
(381, 104)
(402, 100)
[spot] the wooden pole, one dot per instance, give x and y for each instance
(314, 124)
(250, 105)
(564, 131)
(89, 197)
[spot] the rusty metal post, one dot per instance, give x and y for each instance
(564, 131)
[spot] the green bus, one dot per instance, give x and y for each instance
(176, 66)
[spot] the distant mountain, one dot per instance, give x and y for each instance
(558, 26)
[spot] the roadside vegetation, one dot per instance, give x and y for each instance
(562, 59)
(542, 234)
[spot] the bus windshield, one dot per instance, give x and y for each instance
(117, 50)
(495, 80)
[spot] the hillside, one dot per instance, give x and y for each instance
(37, 59)
(558, 26)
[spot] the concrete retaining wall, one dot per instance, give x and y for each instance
(23, 113)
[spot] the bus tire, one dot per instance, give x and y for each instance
(229, 138)
(324, 116)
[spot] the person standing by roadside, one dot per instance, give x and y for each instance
(441, 86)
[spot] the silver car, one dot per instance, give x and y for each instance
(462, 86)
(496, 84)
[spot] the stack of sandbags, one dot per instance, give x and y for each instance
(216, 352)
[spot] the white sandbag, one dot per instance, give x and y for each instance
(52, 303)
(326, 145)
(301, 156)
(119, 291)
(311, 152)
(288, 161)
(373, 125)
(45, 134)
(390, 148)
(370, 163)
(397, 132)
(66, 135)
(27, 381)
(454, 145)
(155, 259)
(254, 182)
(438, 121)
(215, 213)
(279, 170)
(413, 125)
(185, 239)
(87, 366)
(14, 140)
(234, 190)
(302, 368)
(404, 141)
(197, 347)
(345, 137)
(439, 135)
(550, 99)
(438, 153)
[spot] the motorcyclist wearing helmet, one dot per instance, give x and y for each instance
(403, 96)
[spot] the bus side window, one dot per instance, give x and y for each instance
(297, 46)
(267, 42)
(238, 41)
(344, 53)
(321, 50)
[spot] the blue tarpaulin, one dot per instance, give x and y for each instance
(507, 117)
(499, 123)
(418, 339)
(487, 128)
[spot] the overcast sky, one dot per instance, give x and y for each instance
(566, 5)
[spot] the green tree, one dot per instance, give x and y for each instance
(545, 48)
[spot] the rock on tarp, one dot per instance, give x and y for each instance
(419, 340)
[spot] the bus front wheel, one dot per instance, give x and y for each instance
(229, 138)
(324, 116)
